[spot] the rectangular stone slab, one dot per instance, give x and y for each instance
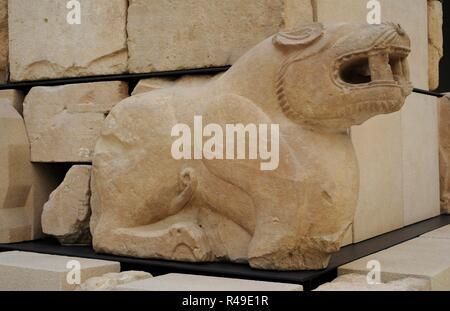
(190, 282)
(22, 271)
(64, 122)
(170, 35)
(426, 258)
(24, 187)
(44, 45)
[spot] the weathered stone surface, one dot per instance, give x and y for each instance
(64, 122)
(145, 203)
(3, 41)
(435, 41)
(23, 271)
(189, 282)
(66, 215)
(358, 282)
(12, 97)
(204, 33)
(425, 258)
(111, 280)
(152, 84)
(398, 181)
(444, 153)
(441, 233)
(96, 46)
(24, 187)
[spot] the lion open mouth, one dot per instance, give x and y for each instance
(386, 66)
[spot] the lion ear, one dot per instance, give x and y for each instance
(303, 35)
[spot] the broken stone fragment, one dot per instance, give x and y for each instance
(64, 122)
(66, 215)
(111, 280)
(24, 187)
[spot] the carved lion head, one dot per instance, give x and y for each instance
(340, 75)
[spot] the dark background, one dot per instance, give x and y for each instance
(444, 85)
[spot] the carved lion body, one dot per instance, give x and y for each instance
(315, 82)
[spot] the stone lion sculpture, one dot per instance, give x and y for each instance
(314, 82)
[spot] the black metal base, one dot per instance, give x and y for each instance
(309, 279)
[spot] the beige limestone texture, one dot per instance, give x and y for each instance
(358, 282)
(420, 159)
(67, 213)
(441, 233)
(64, 122)
(444, 153)
(190, 282)
(109, 281)
(152, 84)
(425, 258)
(387, 154)
(435, 41)
(24, 271)
(348, 237)
(3, 41)
(24, 187)
(14, 98)
(179, 34)
(43, 45)
(147, 204)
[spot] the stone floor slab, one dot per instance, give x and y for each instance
(419, 258)
(24, 271)
(188, 282)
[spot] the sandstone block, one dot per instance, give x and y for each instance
(358, 282)
(66, 215)
(398, 180)
(3, 41)
(24, 187)
(23, 271)
(444, 153)
(14, 98)
(189, 282)
(64, 122)
(424, 258)
(111, 280)
(420, 159)
(151, 84)
(96, 46)
(435, 41)
(204, 33)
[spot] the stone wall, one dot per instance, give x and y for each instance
(397, 153)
